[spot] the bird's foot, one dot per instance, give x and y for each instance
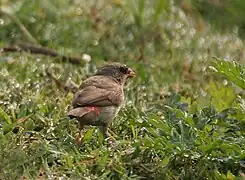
(78, 139)
(111, 138)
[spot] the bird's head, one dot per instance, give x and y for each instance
(119, 72)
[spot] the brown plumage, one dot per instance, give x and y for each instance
(101, 96)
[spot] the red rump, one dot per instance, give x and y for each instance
(94, 109)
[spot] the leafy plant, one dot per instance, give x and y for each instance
(179, 121)
(231, 70)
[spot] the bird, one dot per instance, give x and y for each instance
(100, 97)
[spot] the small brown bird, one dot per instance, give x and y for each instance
(100, 97)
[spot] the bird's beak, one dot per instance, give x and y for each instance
(131, 73)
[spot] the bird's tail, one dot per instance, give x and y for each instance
(77, 112)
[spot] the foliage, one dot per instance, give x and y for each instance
(215, 11)
(231, 70)
(181, 120)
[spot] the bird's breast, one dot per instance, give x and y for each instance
(107, 114)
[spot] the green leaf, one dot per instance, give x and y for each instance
(103, 159)
(148, 142)
(159, 9)
(230, 175)
(165, 161)
(141, 7)
(69, 161)
(221, 96)
(3, 139)
(7, 128)
(134, 132)
(5, 116)
(29, 125)
(231, 70)
(88, 135)
(180, 114)
(161, 125)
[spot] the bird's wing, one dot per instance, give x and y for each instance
(98, 92)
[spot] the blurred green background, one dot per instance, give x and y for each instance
(185, 112)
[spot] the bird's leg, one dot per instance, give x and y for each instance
(78, 136)
(104, 131)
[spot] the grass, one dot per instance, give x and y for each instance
(184, 114)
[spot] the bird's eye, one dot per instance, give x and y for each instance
(124, 69)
